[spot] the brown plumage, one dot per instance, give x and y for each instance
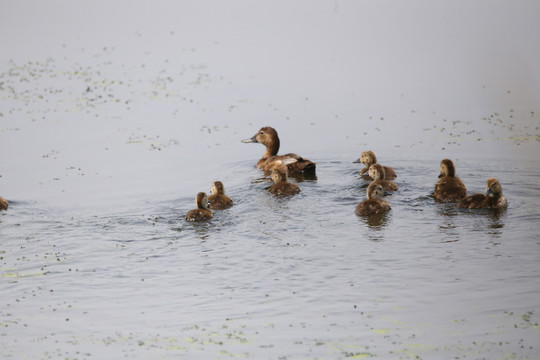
(295, 164)
(449, 188)
(368, 158)
(492, 199)
(202, 212)
(377, 173)
(373, 204)
(4, 204)
(281, 185)
(218, 200)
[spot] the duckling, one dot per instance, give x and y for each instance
(449, 188)
(374, 204)
(368, 158)
(281, 185)
(202, 212)
(295, 164)
(218, 200)
(4, 204)
(492, 199)
(376, 171)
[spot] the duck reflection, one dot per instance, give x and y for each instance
(376, 223)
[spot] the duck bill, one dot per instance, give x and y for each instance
(440, 176)
(357, 161)
(251, 140)
(488, 192)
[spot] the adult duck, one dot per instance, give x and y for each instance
(296, 164)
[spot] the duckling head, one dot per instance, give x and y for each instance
(367, 158)
(377, 172)
(447, 168)
(493, 187)
(279, 172)
(202, 200)
(374, 191)
(217, 188)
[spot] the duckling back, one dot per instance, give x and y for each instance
(372, 207)
(284, 188)
(449, 189)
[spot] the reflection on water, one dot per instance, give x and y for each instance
(376, 222)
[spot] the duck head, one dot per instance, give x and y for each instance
(268, 137)
(202, 200)
(367, 158)
(279, 172)
(377, 172)
(374, 191)
(217, 188)
(493, 187)
(447, 168)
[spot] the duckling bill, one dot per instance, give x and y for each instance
(296, 164)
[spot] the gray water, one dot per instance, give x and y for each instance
(112, 121)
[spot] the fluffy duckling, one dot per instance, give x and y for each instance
(492, 199)
(202, 212)
(218, 200)
(295, 164)
(368, 158)
(376, 171)
(4, 204)
(374, 204)
(281, 185)
(449, 188)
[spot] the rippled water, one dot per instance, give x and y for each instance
(110, 126)
(269, 278)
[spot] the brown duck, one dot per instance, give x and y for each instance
(295, 164)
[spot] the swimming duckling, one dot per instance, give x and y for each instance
(376, 171)
(202, 212)
(368, 158)
(4, 204)
(449, 188)
(218, 200)
(295, 164)
(374, 204)
(281, 185)
(492, 199)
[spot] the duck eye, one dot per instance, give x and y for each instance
(261, 133)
